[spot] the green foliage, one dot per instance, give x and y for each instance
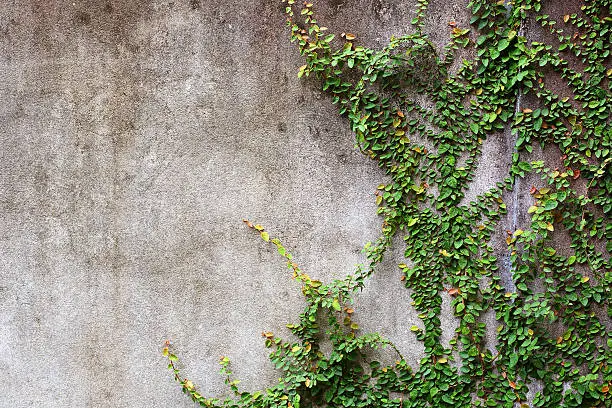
(551, 314)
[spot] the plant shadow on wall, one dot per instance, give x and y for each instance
(551, 323)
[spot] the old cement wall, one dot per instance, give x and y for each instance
(135, 135)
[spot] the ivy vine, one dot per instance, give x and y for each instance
(553, 340)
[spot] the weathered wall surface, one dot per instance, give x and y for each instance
(135, 135)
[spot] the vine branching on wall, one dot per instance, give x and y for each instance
(552, 340)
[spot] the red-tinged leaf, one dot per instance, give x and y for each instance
(576, 174)
(512, 384)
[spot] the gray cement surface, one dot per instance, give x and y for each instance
(135, 135)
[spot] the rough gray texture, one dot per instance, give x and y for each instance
(135, 135)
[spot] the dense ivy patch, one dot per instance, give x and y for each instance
(552, 338)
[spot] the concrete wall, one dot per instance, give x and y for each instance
(135, 135)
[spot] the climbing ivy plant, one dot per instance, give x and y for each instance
(553, 338)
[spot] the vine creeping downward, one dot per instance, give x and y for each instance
(552, 341)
